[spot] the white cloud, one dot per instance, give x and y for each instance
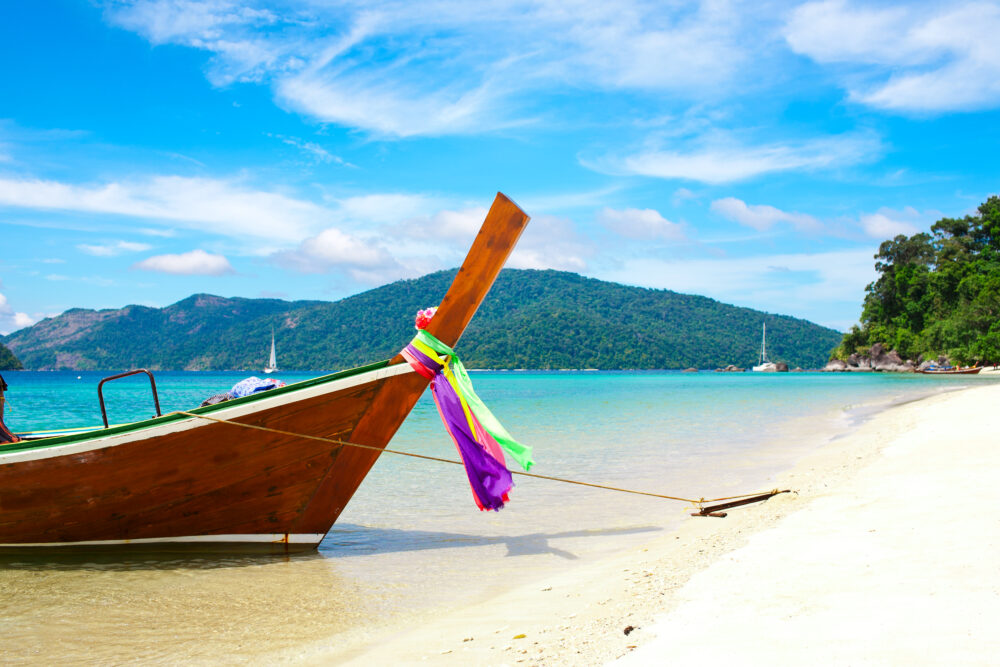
(429, 242)
(887, 223)
(385, 208)
(194, 263)
(11, 320)
(162, 233)
(446, 67)
(441, 228)
(311, 148)
(910, 58)
(641, 224)
(721, 158)
(682, 195)
(762, 217)
(391, 108)
(22, 320)
(193, 22)
(827, 288)
(375, 238)
(833, 31)
(426, 243)
(551, 242)
(562, 201)
(333, 249)
(219, 206)
(462, 225)
(113, 249)
(636, 45)
(537, 258)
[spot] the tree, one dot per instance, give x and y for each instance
(936, 293)
(8, 362)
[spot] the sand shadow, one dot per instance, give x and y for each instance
(354, 540)
(343, 540)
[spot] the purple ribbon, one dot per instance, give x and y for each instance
(425, 361)
(489, 478)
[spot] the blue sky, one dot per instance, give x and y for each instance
(756, 153)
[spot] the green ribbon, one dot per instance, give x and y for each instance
(517, 451)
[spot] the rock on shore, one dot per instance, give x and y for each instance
(878, 359)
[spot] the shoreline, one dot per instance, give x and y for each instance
(580, 616)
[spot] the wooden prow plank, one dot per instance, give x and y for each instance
(494, 243)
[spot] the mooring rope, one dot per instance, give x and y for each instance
(336, 441)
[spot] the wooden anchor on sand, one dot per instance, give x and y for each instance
(714, 510)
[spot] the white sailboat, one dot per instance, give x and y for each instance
(765, 366)
(272, 363)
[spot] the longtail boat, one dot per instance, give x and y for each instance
(950, 370)
(198, 479)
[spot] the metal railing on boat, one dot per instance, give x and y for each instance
(100, 392)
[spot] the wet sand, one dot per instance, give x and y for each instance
(885, 555)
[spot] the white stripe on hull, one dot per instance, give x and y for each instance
(192, 422)
(264, 538)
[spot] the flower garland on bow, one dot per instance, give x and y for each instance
(480, 438)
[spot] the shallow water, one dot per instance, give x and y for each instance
(411, 541)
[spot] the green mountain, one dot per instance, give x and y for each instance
(8, 362)
(531, 319)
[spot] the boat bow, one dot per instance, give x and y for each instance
(186, 480)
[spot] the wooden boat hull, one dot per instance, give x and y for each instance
(182, 481)
(956, 371)
(196, 481)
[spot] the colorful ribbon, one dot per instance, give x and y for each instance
(480, 438)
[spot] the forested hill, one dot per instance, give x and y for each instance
(8, 362)
(530, 319)
(937, 293)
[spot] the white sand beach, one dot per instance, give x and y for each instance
(887, 554)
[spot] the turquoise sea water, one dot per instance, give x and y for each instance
(412, 540)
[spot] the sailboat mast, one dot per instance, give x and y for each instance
(763, 344)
